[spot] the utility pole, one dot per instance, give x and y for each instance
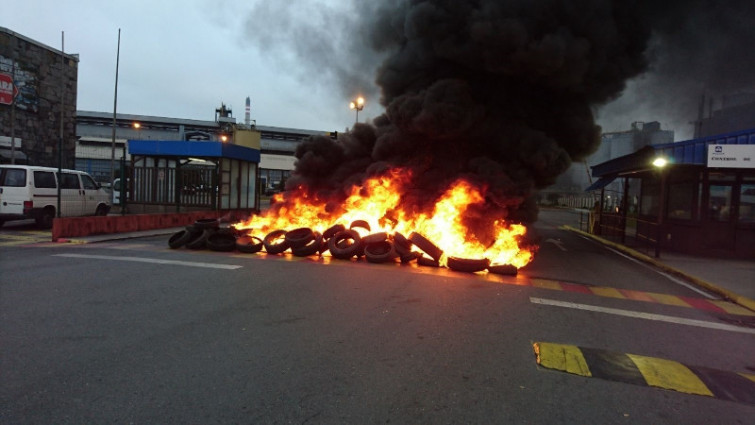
(115, 106)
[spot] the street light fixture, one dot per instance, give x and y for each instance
(660, 163)
(357, 105)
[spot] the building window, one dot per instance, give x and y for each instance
(719, 202)
(680, 200)
(747, 203)
(649, 199)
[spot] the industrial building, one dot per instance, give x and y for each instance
(37, 102)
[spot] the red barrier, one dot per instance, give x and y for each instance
(85, 226)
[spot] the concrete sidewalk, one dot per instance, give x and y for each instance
(730, 278)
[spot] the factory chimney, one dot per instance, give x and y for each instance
(247, 117)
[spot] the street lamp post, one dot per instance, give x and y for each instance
(660, 163)
(357, 105)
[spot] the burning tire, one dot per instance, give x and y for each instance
(300, 237)
(275, 242)
(504, 269)
(401, 240)
(199, 239)
(375, 237)
(467, 264)
(332, 230)
(179, 239)
(309, 249)
(404, 252)
(249, 244)
(341, 248)
(429, 262)
(379, 252)
(360, 224)
(426, 246)
(221, 242)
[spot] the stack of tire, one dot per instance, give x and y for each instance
(343, 244)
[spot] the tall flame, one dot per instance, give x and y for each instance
(378, 201)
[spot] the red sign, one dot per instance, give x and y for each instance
(8, 90)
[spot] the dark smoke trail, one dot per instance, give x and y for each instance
(498, 92)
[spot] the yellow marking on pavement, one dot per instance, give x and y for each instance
(668, 299)
(749, 376)
(546, 284)
(732, 308)
(606, 292)
(567, 358)
(670, 375)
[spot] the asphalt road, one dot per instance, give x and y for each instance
(133, 332)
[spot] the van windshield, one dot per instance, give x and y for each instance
(12, 177)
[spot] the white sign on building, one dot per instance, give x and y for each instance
(731, 156)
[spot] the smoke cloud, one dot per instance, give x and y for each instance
(503, 93)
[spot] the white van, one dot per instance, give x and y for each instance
(32, 192)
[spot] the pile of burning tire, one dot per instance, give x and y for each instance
(342, 243)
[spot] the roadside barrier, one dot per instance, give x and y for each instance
(71, 227)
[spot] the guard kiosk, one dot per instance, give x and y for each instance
(168, 175)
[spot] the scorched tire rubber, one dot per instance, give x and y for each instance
(375, 237)
(249, 244)
(361, 224)
(223, 242)
(467, 264)
(405, 254)
(344, 251)
(426, 246)
(273, 247)
(300, 237)
(311, 248)
(332, 230)
(504, 269)
(199, 240)
(207, 223)
(379, 252)
(179, 239)
(429, 262)
(401, 240)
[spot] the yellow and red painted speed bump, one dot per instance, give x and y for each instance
(647, 371)
(715, 306)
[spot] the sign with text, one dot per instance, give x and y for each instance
(731, 156)
(8, 90)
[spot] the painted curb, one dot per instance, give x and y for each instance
(734, 297)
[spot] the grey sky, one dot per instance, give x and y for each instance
(183, 58)
(301, 61)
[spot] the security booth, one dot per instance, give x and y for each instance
(696, 196)
(191, 175)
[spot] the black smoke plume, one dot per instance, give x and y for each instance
(501, 93)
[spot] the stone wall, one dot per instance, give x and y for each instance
(45, 79)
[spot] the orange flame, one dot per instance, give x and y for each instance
(377, 201)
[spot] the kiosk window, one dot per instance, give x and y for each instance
(747, 203)
(719, 202)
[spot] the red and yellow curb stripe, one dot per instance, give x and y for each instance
(715, 306)
(646, 371)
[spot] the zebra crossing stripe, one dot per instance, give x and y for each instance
(646, 371)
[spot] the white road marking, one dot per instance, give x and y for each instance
(153, 261)
(666, 275)
(641, 315)
(559, 244)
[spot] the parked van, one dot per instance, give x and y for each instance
(32, 192)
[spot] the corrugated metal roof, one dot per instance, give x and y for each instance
(689, 152)
(196, 149)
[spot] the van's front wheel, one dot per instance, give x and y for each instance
(44, 219)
